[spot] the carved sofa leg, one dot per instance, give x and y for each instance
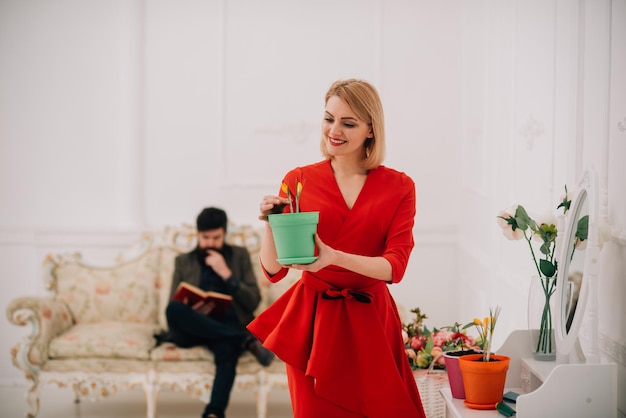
(262, 395)
(32, 398)
(76, 393)
(151, 391)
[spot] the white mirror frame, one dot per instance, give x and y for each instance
(568, 343)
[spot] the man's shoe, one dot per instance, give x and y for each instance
(262, 354)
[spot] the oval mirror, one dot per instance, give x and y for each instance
(575, 294)
(574, 267)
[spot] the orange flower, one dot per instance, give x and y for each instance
(298, 193)
(285, 189)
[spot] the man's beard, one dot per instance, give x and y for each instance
(203, 252)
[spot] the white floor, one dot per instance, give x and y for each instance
(59, 403)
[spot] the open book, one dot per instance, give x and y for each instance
(193, 294)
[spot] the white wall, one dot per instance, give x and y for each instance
(118, 116)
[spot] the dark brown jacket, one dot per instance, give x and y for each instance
(245, 300)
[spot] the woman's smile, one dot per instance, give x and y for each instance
(336, 142)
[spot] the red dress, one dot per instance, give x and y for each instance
(338, 331)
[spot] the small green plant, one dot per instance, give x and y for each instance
(485, 328)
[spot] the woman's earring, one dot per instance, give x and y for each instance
(368, 145)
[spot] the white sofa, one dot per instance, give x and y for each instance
(95, 332)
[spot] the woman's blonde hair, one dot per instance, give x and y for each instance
(364, 100)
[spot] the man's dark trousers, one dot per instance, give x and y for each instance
(223, 336)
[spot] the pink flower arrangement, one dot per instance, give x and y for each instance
(424, 346)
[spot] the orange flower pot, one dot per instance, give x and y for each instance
(483, 381)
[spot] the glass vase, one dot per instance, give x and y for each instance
(540, 315)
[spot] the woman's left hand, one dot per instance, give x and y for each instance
(325, 257)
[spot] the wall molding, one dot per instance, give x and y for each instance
(108, 238)
(85, 238)
(530, 130)
(612, 349)
(619, 236)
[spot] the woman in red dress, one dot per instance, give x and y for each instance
(338, 328)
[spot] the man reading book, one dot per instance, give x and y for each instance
(217, 267)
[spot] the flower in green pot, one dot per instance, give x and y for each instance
(294, 231)
(285, 189)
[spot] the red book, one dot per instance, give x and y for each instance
(194, 294)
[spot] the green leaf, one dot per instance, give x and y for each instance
(582, 230)
(429, 345)
(547, 268)
(548, 232)
(523, 220)
(427, 332)
(510, 221)
(565, 204)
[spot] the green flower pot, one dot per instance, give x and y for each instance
(294, 236)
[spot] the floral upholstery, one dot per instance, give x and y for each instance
(165, 273)
(125, 293)
(171, 352)
(104, 339)
(96, 366)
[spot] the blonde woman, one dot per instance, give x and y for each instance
(338, 328)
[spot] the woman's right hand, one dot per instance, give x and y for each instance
(272, 204)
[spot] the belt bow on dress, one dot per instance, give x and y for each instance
(330, 292)
(362, 297)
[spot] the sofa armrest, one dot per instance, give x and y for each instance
(47, 318)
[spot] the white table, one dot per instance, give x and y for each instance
(455, 408)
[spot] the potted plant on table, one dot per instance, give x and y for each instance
(484, 375)
(425, 348)
(294, 231)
